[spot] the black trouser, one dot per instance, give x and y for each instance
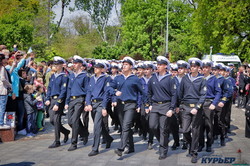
(105, 119)
(99, 127)
(207, 125)
(85, 122)
(174, 127)
(159, 125)
(191, 124)
(219, 126)
(145, 125)
(76, 107)
(55, 119)
(126, 114)
(228, 110)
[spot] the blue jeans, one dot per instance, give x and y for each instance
(20, 114)
(31, 122)
(3, 102)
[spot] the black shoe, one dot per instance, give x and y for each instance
(188, 155)
(54, 145)
(129, 151)
(66, 137)
(184, 146)
(93, 153)
(85, 140)
(136, 130)
(162, 156)
(118, 152)
(200, 148)
(112, 123)
(150, 146)
(72, 147)
(209, 149)
(116, 127)
(194, 159)
(222, 142)
(108, 144)
(175, 146)
(144, 138)
(120, 130)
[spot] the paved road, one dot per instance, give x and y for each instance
(34, 151)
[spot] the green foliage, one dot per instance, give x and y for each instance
(223, 25)
(107, 52)
(16, 23)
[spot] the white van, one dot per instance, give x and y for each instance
(225, 59)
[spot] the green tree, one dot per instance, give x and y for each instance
(99, 12)
(223, 25)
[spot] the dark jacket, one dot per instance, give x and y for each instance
(29, 103)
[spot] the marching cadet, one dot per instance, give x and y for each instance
(76, 93)
(162, 100)
(115, 121)
(182, 70)
(192, 95)
(233, 82)
(212, 99)
(96, 103)
(174, 126)
(56, 95)
(128, 88)
(148, 72)
(226, 111)
(219, 124)
(137, 117)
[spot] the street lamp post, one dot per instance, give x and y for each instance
(167, 28)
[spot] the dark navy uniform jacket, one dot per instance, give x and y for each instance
(77, 85)
(193, 91)
(162, 90)
(224, 84)
(130, 87)
(233, 82)
(213, 89)
(144, 82)
(57, 87)
(98, 89)
(230, 87)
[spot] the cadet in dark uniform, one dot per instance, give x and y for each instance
(76, 93)
(192, 95)
(219, 124)
(174, 126)
(148, 72)
(212, 99)
(128, 88)
(162, 100)
(96, 102)
(226, 110)
(182, 70)
(56, 95)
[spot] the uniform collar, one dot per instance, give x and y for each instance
(195, 78)
(57, 75)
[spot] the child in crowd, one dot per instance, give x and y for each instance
(40, 107)
(30, 107)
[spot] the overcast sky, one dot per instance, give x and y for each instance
(67, 14)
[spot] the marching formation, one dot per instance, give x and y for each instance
(153, 98)
(158, 98)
